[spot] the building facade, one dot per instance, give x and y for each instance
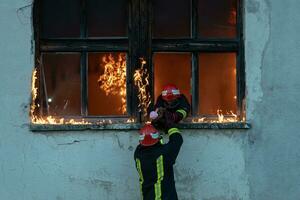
(257, 163)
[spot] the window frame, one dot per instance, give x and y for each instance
(141, 44)
(84, 45)
(196, 45)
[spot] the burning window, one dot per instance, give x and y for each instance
(175, 68)
(106, 61)
(107, 84)
(217, 83)
(60, 76)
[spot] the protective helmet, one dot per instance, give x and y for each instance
(170, 92)
(148, 135)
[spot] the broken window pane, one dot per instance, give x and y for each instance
(60, 18)
(107, 18)
(61, 83)
(217, 79)
(217, 18)
(172, 68)
(107, 83)
(171, 18)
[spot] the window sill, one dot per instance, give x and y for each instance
(133, 126)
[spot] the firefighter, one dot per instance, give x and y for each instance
(171, 107)
(154, 163)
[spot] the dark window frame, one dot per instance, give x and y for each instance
(141, 44)
(196, 45)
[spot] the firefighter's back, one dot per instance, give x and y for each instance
(157, 172)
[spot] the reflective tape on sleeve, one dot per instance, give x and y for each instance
(172, 131)
(183, 112)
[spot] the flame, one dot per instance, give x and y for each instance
(230, 117)
(220, 116)
(141, 81)
(198, 120)
(50, 119)
(53, 120)
(57, 121)
(130, 120)
(33, 94)
(113, 80)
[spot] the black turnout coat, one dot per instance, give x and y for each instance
(155, 167)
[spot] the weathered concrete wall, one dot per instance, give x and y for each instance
(273, 154)
(257, 164)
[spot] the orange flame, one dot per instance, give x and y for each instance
(141, 81)
(220, 116)
(33, 95)
(56, 121)
(113, 80)
(50, 119)
(230, 117)
(198, 120)
(130, 120)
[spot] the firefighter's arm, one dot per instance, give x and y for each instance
(157, 109)
(174, 144)
(183, 110)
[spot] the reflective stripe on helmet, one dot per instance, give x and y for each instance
(155, 135)
(164, 93)
(142, 137)
(174, 92)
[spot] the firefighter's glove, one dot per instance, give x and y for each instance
(159, 122)
(160, 114)
(153, 115)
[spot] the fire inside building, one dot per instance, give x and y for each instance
(107, 62)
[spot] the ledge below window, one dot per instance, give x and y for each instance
(133, 126)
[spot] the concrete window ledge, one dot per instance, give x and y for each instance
(133, 126)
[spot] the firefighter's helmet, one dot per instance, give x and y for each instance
(170, 92)
(148, 135)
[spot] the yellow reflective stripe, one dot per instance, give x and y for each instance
(157, 189)
(171, 131)
(160, 167)
(160, 176)
(161, 141)
(183, 112)
(139, 168)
